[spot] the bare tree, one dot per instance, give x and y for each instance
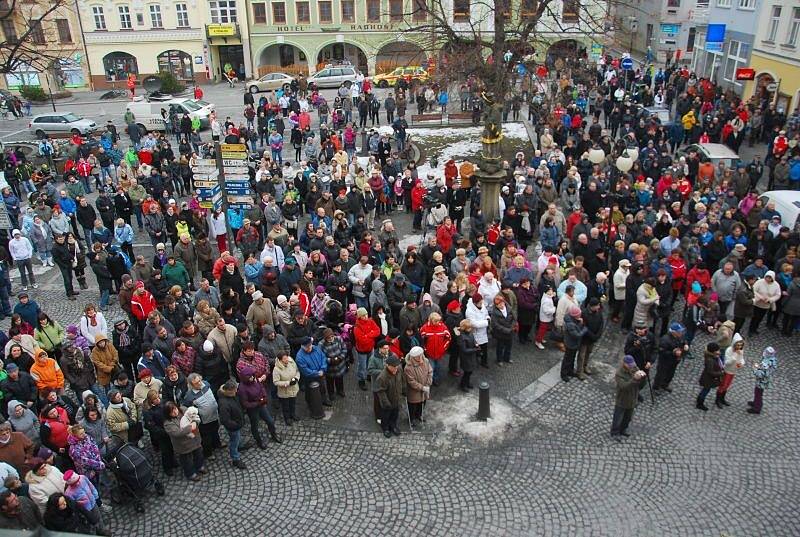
(29, 34)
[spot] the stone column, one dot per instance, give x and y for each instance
(491, 183)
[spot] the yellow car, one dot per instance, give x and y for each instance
(414, 72)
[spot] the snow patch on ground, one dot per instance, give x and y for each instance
(456, 414)
(409, 240)
(467, 141)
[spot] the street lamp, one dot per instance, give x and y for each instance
(596, 155)
(624, 162)
(187, 62)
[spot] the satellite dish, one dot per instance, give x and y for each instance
(151, 84)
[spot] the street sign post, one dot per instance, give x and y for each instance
(626, 64)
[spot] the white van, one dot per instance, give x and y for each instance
(148, 113)
(787, 202)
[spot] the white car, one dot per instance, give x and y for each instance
(65, 123)
(787, 202)
(269, 82)
(715, 153)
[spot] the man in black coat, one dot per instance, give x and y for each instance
(231, 415)
(63, 258)
(671, 348)
(594, 323)
(635, 279)
(641, 345)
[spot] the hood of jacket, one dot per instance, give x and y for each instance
(377, 286)
(736, 339)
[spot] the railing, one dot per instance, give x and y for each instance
(293, 69)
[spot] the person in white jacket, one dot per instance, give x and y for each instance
(734, 360)
(620, 277)
(488, 288)
(478, 315)
(547, 312)
(21, 251)
(767, 293)
(93, 324)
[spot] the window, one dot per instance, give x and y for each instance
(278, 13)
(571, 11)
(125, 18)
(155, 16)
(737, 57)
(461, 10)
(9, 31)
(673, 3)
(374, 10)
(260, 13)
(176, 62)
(140, 19)
(182, 14)
(325, 12)
(395, 10)
(794, 28)
(723, 3)
(690, 41)
(118, 65)
(303, 13)
(223, 11)
(37, 34)
(420, 13)
(528, 7)
(747, 4)
(772, 29)
(348, 11)
(64, 33)
(99, 18)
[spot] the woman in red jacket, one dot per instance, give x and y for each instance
(365, 332)
(437, 338)
(417, 196)
(445, 235)
(698, 274)
(55, 428)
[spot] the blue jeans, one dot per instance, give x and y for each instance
(436, 365)
(87, 234)
(137, 210)
(5, 303)
(87, 185)
(361, 365)
(234, 439)
(277, 156)
(104, 299)
(362, 302)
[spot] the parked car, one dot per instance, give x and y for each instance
(787, 202)
(54, 123)
(269, 82)
(332, 76)
(716, 153)
(411, 72)
(147, 113)
(661, 115)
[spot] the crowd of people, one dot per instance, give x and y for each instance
(237, 311)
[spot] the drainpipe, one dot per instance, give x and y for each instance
(85, 50)
(248, 62)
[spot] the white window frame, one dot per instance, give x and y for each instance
(223, 11)
(125, 20)
(738, 60)
(793, 33)
(774, 21)
(723, 3)
(99, 18)
(182, 15)
(156, 20)
(749, 5)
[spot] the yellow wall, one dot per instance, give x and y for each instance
(786, 73)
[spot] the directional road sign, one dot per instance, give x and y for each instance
(627, 64)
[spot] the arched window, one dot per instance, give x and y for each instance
(118, 65)
(176, 62)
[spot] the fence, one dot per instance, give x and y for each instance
(293, 69)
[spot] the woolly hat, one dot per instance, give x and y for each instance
(281, 300)
(44, 453)
(453, 305)
(139, 284)
(70, 477)
(574, 311)
(11, 366)
(362, 312)
(36, 463)
(629, 361)
(208, 346)
(676, 327)
(769, 352)
(393, 361)
(327, 333)
(319, 289)
(72, 330)
(416, 351)
(258, 295)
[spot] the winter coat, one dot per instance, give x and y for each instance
(105, 361)
(251, 393)
(203, 399)
(389, 389)
(745, 298)
(40, 488)
(791, 304)
(437, 339)
(646, 297)
(231, 414)
(734, 360)
(467, 351)
(86, 456)
(398, 295)
(712, 371)
(27, 424)
(366, 331)
(183, 441)
(282, 377)
(119, 417)
(417, 375)
(573, 332)
(480, 322)
(627, 388)
(336, 353)
(83, 492)
(502, 325)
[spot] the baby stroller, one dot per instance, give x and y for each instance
(132, 471)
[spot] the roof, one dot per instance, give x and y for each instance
(719, 151)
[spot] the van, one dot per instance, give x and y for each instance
(148, 116)
(787, 202)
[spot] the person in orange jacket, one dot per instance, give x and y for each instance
(142, 303)
(436, 337)
(47, 373)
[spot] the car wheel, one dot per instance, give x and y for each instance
(142, 128)
(253, 89)
(383, 84)
(40, 134)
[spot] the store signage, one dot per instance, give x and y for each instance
(715, 33)
(222, 30)
(745, 73)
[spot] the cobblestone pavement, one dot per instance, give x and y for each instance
(552, 469)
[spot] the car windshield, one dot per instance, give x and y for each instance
(70, 117)
(192, 106)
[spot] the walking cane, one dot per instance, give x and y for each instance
(649, 385)
(408, 413)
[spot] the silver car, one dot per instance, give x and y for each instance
(60, 124)
(332, 76)
(270, 82)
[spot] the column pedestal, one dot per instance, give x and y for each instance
(491, 182)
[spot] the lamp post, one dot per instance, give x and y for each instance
(596, 155)
(187, 62)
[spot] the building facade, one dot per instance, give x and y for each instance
(59, 38)
(776, 55)
(378, 35)
(719, 63)
(669, 28)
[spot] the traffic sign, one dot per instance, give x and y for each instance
(206, 162)
(208, 173)
(225, 148)
(234, 155)
(627, 64)
(239, 199)
(200, 183)
(235, 170)
(237, 177)
(236, 163)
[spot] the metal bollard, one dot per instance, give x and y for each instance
(484, 412)
(314, 400)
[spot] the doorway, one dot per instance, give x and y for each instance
(233, 56)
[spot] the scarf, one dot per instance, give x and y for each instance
(92, 319)
(124, 338)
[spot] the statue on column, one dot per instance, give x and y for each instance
(491, 158)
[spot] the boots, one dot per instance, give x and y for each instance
(82, 283)
(723, 401)
(274, 435)
(586, 370)
(718, 400)
(700, 405)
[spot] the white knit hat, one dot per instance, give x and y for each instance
(208, 346)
